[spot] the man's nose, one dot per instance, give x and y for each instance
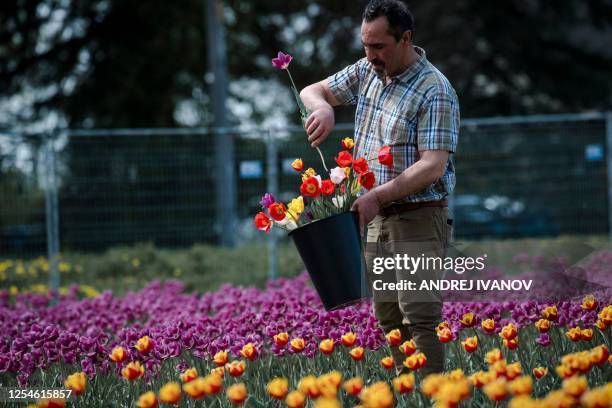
(371, 55)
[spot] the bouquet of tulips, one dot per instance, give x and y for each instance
(320, 197)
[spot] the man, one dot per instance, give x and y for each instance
(403, 102)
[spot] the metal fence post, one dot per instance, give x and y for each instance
(52, 212)
(609, 160)
(272, 163)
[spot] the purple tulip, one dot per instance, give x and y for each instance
(267, 200)
(543, 340)
(282, 61)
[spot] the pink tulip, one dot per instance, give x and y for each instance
(282, 61)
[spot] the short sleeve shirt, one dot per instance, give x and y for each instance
(417, 111)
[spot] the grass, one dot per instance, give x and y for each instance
(204, 268)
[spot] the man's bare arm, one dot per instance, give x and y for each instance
(319, 100)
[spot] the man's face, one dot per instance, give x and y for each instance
(384, 52)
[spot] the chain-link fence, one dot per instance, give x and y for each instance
(88, 190)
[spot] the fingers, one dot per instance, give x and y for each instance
(309, 121)
(312, 125)
(317, 136)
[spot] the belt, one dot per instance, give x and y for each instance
(401, 207)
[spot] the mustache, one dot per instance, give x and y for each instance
(377, 62)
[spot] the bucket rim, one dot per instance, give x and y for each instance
(322, 219)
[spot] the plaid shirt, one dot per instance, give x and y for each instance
(418, 110)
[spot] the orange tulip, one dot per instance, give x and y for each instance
(147, 400)
(494, 356)
(295, 399)
(249, 351)
(445, 335)
(586, 334)
(309, 386)
(511, 344)
(543, 325)
(52, 403)
(236, 368)
(357, 353)
(513, 370)
(404, 383)
(550, 313)
(333, 377)
(281, 339)
(468, 319)
(606, 315)
(482, 378)
(196, 389)
(213, 383)
(144, 344)
(600, 325)
(387, 362)
(237, 393)
(76, 382)
(297, 165)
(221, 358)
(599, 355)
(574, 334)
(377, 395)
(297, 345)
(278, 388)
(408, 347)
(415, 361)
(394, 337)
(496, 390)
(564, 371)
(327, 346)
(521, 386)
(575, 386)
(347, 143)
(218, 371)
(349, 339)
(189, 375)
(499, 368)
(589, 302)
(539, 372)
(488, 325)
(353, 386)
(118, 354)
(470, 344)
(170, 393)
(508, 332)
(133, 371)
(444, 325)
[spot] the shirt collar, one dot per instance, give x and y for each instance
(413, 69)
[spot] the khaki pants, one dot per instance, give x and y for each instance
(423, 231)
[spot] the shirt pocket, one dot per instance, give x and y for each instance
(399, 127)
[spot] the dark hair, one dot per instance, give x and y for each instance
(398, 16)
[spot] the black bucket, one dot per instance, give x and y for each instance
(331, 251)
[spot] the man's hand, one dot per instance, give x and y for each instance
(368, 207)
(319, 125)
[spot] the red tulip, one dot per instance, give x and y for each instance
(384, 156)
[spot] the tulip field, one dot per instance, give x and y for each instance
(163, 345)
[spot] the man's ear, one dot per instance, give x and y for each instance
(407, 37)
